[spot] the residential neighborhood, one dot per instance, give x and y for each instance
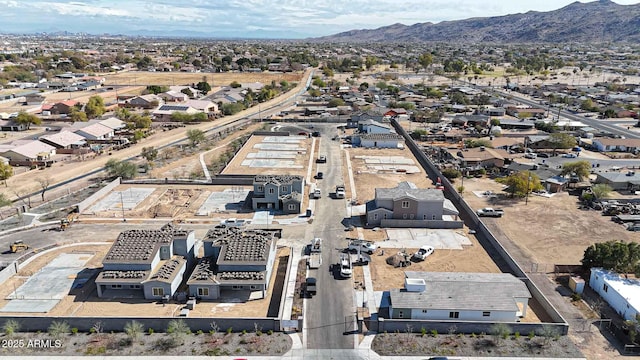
(340, 196)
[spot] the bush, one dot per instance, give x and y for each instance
(434, 332)
(59, 328)
(150, 331)
(576, 297)
(229, 330)
(270, 332)
(451, 173)
(10, 327)
(133, 329)
(74, 331)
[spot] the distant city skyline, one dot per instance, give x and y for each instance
(247, 18)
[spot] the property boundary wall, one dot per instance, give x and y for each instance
(84, 204)
(431, 224)
(464, 327)
(484, 235)
(117, 324)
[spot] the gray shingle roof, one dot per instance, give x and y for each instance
(462, 291)
(406, 188)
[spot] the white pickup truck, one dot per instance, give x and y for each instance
(490, 212)
(315, 254)
(340, 192)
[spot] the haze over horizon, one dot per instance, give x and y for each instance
(246, 18)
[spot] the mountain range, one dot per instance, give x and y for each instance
(598, 21)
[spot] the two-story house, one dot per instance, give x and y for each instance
(234, 259)
(408, 206)
(278, 192)
(146, 263)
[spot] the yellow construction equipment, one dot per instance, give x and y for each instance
(18, 246)
(65, 223)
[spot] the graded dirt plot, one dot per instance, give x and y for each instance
(83, 96)
(367, 179)
(215, 79)
(549, 230)
(174, 201)
(471, 259)
(293, 160)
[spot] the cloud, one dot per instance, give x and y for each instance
(240, 16)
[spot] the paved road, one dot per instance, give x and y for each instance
(326, 312)
(603, 125)
(26, 183)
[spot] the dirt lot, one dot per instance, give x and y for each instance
(180, 78)
(366, 180)
(301, 159)
(557, 232)
(168, 201)
(84, 301)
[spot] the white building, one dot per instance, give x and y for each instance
(622, 294)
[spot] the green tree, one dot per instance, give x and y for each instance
(616, 255)
(335, 102)
(195, 136)
(314, 92)
(187, 92)
(521, 183)
(495, 122)
(474, 143)
(149, 153)
(203, 87)
(157, 89)
(234, 84)
(576, 168)
(561, 141)
(27, 119)
(425, 60)
(601, 191)
(77, 115)
(500, 331)
(95, 107)
(141, 121)
(123, 169)
(6, 171)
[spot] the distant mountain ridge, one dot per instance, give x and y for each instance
(598, 21)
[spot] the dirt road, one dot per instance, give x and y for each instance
(60, 172)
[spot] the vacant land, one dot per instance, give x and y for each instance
(550, 230)
(183, 78)
(470, 259)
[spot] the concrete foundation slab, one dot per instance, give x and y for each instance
(283, 139)
(127, 199)
(414, 238)
(42, 291)
(271, 163)
(262, 218)
(229, 199)
(280, 147)
(30, 306)
(399, 160)
(272, 155)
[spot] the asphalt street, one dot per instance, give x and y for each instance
(330, 314)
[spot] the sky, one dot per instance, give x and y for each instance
(290, 19)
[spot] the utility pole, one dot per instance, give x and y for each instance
(526, 199)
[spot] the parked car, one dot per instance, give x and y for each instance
(570, 155)
(543, 155)
(531, 155)
(320, 175)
